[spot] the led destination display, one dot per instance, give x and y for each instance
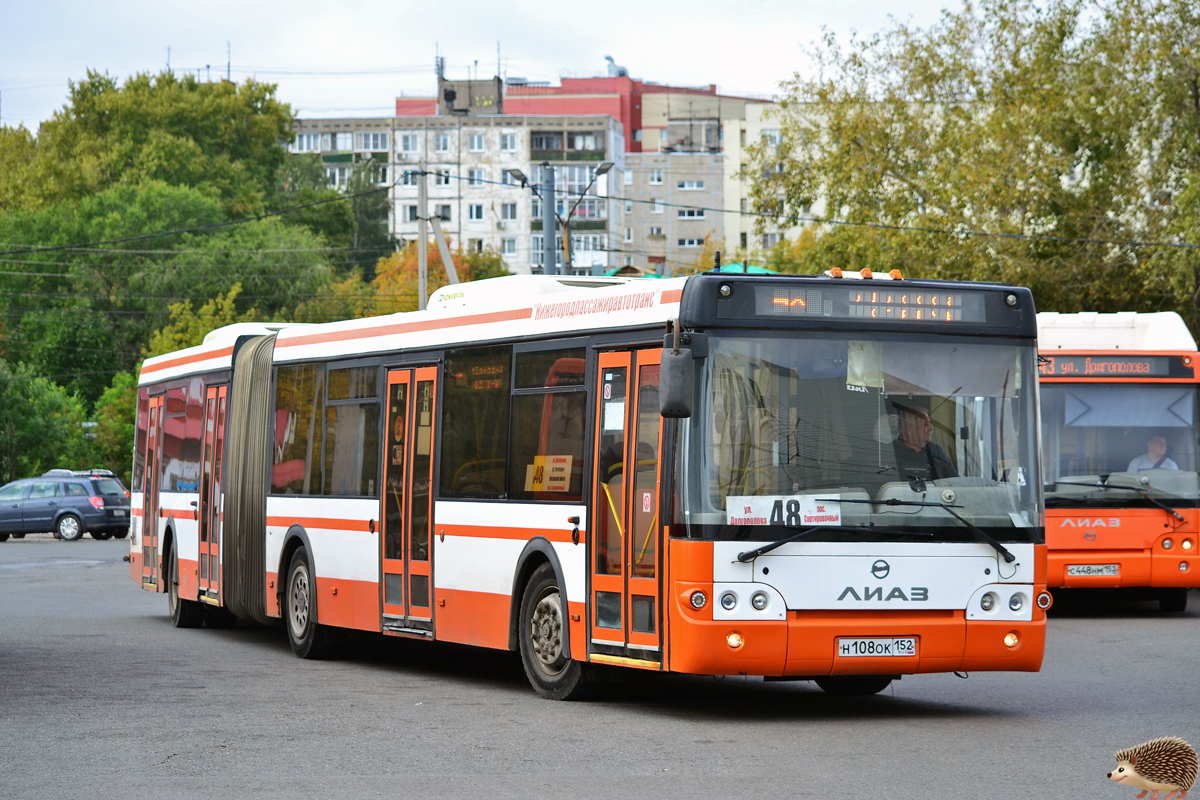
(1105, 366)
(904, 305)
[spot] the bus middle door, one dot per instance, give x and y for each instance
(625, 562)
(407, 505)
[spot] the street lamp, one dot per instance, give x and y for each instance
(604, 167)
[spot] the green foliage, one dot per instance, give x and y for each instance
(39, 425)
(302, 181)
(188, 327)
(115, 415)
(178, 130)
(1062, 120)
(371, 238)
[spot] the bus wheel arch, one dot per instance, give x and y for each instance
(300, 608)
(537, 551)
(295, 537)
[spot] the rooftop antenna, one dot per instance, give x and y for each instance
(168, 58)
(228, 62)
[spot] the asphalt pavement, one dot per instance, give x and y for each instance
(100, 697)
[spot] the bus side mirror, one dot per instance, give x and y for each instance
(675, 377)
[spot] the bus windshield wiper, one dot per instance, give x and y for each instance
(750, 555)
(1145, 495)
(980, 533)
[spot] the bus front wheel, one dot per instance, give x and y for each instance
(1173, 600)
(854, 685)
(543, 631)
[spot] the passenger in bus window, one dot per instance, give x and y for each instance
(916, 454)
(1155, 458)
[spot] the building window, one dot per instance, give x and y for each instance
(656, 206)
(475, 245)
(337, 175)
(690, 186)
(441, 177)
(629, 261)
(410, 213)
(629, 234)
(443, 212)
(508, 211)
(656, 230)
(547, 141)
(409, 177)
(475, 211)
(344, 141)
(628, 206)
(371, 142)
(691, 213)
(691, 242)
(474, 177)
(582, 141)
(629, 177)
(769, 240)
(508, 142)
(308, 142)
(656, 177)
(408, 142)
(475, 142)
(442, 143)
(509, 247)
(770, 136)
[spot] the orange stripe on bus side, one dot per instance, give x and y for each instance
(192, 359)
(478, 618)
(671, 296)
(327, 523)
(405, 327)
(348, 604)
(519, 534)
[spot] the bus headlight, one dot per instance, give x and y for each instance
(1016, 601)
(728, 601)
(759, 601)
(1167, 544)
(987, 601)
(1187, 544)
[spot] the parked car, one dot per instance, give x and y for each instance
(69, 503)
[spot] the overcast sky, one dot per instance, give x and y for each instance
(353, 58)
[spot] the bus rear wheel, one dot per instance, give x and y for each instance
(854, 685)
(184, 613)
(308, 639)
(1173, 601)
(541, 637)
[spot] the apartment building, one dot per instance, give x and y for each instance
(672, 203)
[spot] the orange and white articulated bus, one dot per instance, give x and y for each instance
(1119, 435)
(832, 478)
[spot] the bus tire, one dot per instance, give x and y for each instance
(184, 613)
(307, 638)
(1173, 601)
(540, 635)
(854, 685)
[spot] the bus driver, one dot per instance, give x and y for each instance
(1155, 458)
(916, 454)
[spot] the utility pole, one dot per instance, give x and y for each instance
(422, 239)
(228, 62)
(548, 218)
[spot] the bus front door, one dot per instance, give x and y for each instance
(210, 494)
(407, 506)
(150, 496)
(626, 604)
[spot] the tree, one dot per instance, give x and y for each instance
(371, 239)
(1034, 125)
(396, 276)
(189, 327)
(220, 136)
(115, 415)
(302, 181)
(40, 424)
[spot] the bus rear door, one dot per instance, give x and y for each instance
(150, 496)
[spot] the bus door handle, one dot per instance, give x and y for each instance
(574, 533)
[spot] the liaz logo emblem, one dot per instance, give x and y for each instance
(880, 569)
(1068, 522)
(916, 594)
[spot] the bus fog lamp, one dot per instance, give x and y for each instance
(1016, 601)
(1168, 544)
(759, 601)
(987, 601)
(734, 640)
(1183, 566)
(699, 599)
(1187, 544)
(728, 601)
(1011, 639)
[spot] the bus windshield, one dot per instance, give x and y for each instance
(863, 434)
(1105, 444)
